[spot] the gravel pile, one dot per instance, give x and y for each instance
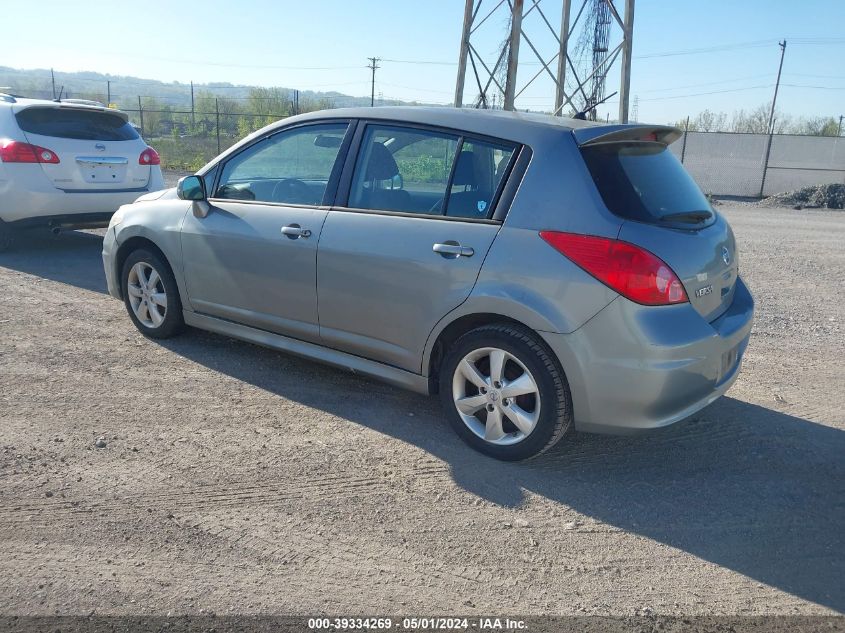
(819, 197)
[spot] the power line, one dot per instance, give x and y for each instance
(708, 49)
(714, 92)
(708, 83)
(815, 87)
(812, 75)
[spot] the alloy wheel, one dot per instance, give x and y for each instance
(496, 396)
(147, 295)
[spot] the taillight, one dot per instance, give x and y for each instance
(17, 152)
(149, 157)
(631, 271)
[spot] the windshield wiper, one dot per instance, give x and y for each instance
(688, 217)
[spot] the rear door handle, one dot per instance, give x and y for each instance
(452, 250)
(294, 231)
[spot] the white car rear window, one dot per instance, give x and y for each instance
(84, 125)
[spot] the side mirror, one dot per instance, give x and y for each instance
(191, 188)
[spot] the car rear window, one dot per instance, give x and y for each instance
(643, 181)
(86, 125)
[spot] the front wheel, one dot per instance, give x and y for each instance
(504, 392)
(150, 294)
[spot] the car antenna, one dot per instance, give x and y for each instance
(583, 114)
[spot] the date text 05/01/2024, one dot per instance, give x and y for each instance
(417, 624)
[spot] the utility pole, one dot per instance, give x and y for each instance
(777, 85)
(772, 118)
(839, 133)
(373, 66)
(53, 79)
(108, 92)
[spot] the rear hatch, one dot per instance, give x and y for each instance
(98, 149)
(665, 212)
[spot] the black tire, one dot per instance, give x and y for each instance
(7, 237)
(555, 401)
(172, 323)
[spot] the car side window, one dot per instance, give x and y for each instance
(403, 169)
(292, 167)
(479, 171)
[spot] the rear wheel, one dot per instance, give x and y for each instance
(151, 295)
(505, 393)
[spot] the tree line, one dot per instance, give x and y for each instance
(236, 117)
(756, 121)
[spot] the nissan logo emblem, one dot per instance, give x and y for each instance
(100, 147)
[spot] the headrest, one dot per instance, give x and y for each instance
(465, 170)
(381, 165)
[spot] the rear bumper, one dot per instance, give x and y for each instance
(634, 367)
(35, 200)
(36, 207)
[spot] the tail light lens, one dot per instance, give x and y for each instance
(633, 272)
(149, 157)
(17, 152)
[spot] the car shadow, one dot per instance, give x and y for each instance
(739, 485)
(71, 257)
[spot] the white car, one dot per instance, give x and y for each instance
(68, 164)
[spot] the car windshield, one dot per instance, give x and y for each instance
(86, 125)
(645, 182)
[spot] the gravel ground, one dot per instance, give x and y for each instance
(235, 479)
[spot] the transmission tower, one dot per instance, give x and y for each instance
(599, 21)
(500, 77)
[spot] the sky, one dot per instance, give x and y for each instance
(688, 55)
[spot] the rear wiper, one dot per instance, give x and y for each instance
(688, 217)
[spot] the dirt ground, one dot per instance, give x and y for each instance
(235, 479)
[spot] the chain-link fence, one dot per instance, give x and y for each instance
(186, 140)
(734, 164)
(192, 131)
(723, 163)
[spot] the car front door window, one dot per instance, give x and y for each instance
(291, 167)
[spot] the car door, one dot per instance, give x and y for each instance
(252, 258)
(394, 260)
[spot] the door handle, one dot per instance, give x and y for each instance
(294, 231)
(452, 250)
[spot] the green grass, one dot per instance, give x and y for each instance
(189, 153)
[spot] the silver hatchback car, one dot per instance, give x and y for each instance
(540, 273)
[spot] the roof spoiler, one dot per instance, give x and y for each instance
(607, 134)
(72, 105)
(88, 102)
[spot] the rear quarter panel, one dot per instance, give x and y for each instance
(522, 273)
(525, 279)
